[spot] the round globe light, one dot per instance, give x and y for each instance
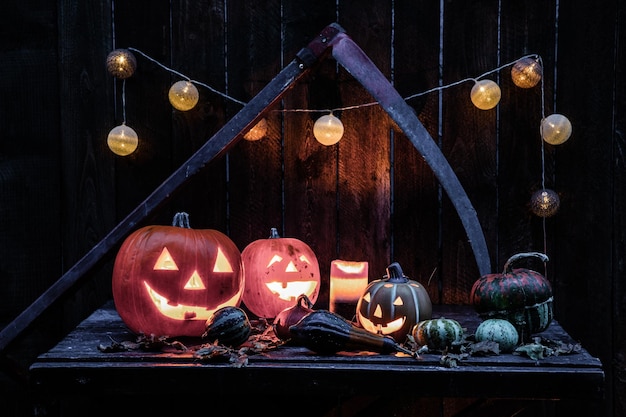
(485, 94)
(556, 129)
(257, 132)
(121, 63)
(122, 140)
(545, 203)
(526, 72)
(183, 95)
(328, 130)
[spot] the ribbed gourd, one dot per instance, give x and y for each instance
(437, 334)
(521, 296)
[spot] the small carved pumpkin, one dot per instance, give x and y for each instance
(277, 271)
(169, 280)
(392, 305)
(521, 296)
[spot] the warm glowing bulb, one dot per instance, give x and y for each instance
(485, 94)
(257, 132)
(328, 130)
(122, 140)
(183, 95)
(526, 72)
(121, 63)
(545, 203)
(555, 129)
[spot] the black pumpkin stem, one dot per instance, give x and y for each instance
(181, 219)
(395, 273)
(508, 266)
(274, 233)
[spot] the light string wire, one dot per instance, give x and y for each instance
(226, 96)
(439, 89)
(352, 107)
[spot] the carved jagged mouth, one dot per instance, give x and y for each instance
(291, 290)
(389, 328)
(186, 312)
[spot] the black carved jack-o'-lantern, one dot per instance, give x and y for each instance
(169, 280)
(391, 306)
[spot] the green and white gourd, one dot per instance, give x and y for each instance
(500, 331)
(437, 334)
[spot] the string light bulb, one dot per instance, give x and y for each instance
(183, 95)
(485, 94)
(556, 129)
(121, 63)
(545, 202)
(328, 130)
(526, 72)
(122, 140)
(257, 132)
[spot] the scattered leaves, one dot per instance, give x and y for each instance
(144, 343)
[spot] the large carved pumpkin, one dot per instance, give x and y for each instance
(391, 306)
(169, 280)
(277, 271)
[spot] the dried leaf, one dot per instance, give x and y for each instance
(485, 348)
(534, 351)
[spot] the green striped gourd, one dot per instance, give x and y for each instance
(437, 334)
(229, 326)
(521, 296)
(500, 331)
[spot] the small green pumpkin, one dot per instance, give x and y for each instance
(500, 331)
(229, 326)
(437, 334)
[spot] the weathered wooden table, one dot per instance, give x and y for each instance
(77, 374)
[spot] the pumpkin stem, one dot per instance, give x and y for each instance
(274, 233)
(303, 298)
(395, 273)
(508, 265)
(181, 220)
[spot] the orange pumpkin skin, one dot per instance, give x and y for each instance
(277, 271)
(169, 280)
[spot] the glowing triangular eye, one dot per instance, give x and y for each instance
(398, 302)
(195, 282)
(165, 262)
(303, 258)
(275, 259)
(221, 263)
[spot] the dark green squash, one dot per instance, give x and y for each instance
(229, 326)
(325, 332)
(521, 296)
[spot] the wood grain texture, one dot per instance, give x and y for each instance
(63, 190)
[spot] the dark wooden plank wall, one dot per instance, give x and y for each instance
(372, 197)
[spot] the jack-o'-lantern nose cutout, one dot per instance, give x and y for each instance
(195, 282)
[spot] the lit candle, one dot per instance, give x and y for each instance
(348, 280)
